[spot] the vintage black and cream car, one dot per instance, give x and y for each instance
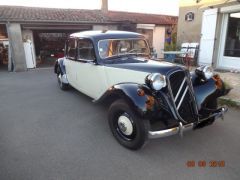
(147, 98)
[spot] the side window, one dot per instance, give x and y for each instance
(71, 49)
(85, 50)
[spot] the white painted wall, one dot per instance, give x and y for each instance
(145, 26)
(104, 27)
(159, 39)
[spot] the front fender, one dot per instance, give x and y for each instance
(139, 97)
(142, 100)
(206, 93)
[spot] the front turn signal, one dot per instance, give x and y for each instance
(140, 92)
(218, 81)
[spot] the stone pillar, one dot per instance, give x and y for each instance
(16, 46)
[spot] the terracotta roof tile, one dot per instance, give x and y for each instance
(18, 13)
(36, 14)
(142, 18)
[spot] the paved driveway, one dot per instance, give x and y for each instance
(46, 133)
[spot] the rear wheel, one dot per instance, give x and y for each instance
(130, 130)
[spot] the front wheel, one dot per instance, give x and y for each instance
(212, 105)
(130, 130)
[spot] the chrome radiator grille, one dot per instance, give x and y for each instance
(181, 96)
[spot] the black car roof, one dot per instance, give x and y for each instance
(98, 35)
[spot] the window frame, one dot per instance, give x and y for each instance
(232, 51)
(144, 39)
(66, 51)
(77, 52)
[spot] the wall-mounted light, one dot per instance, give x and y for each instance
(189, 16)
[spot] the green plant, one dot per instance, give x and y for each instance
(172, 46)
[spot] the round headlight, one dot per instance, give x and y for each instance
(208, 72)
(156, 81)
(204, 72)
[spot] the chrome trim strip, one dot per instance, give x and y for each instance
(217, 115)
(179, 104)
(172, 131)
(181, 129)
(179, 89)
(189, 84)
(171, 94)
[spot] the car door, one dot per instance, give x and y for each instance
(90, 76)
(70, 60)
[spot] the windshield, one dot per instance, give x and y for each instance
(117, 47)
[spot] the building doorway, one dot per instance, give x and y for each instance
(229, 54)
(49, 46)
(4, 46)
(49, 41)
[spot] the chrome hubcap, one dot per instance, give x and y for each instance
(125, 125)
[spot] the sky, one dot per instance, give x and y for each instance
(167, 7)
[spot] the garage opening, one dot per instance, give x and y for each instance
(49, 46)
(4, 46)
(49, 41)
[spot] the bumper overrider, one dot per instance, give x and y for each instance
(219, 113)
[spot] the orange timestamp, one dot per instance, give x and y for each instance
(203, 163)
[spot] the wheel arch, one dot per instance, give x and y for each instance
(143, 105)
(60, 64)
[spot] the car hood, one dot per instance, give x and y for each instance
(148, 66)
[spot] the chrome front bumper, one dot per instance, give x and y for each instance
(172, 131)
(182, 128)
